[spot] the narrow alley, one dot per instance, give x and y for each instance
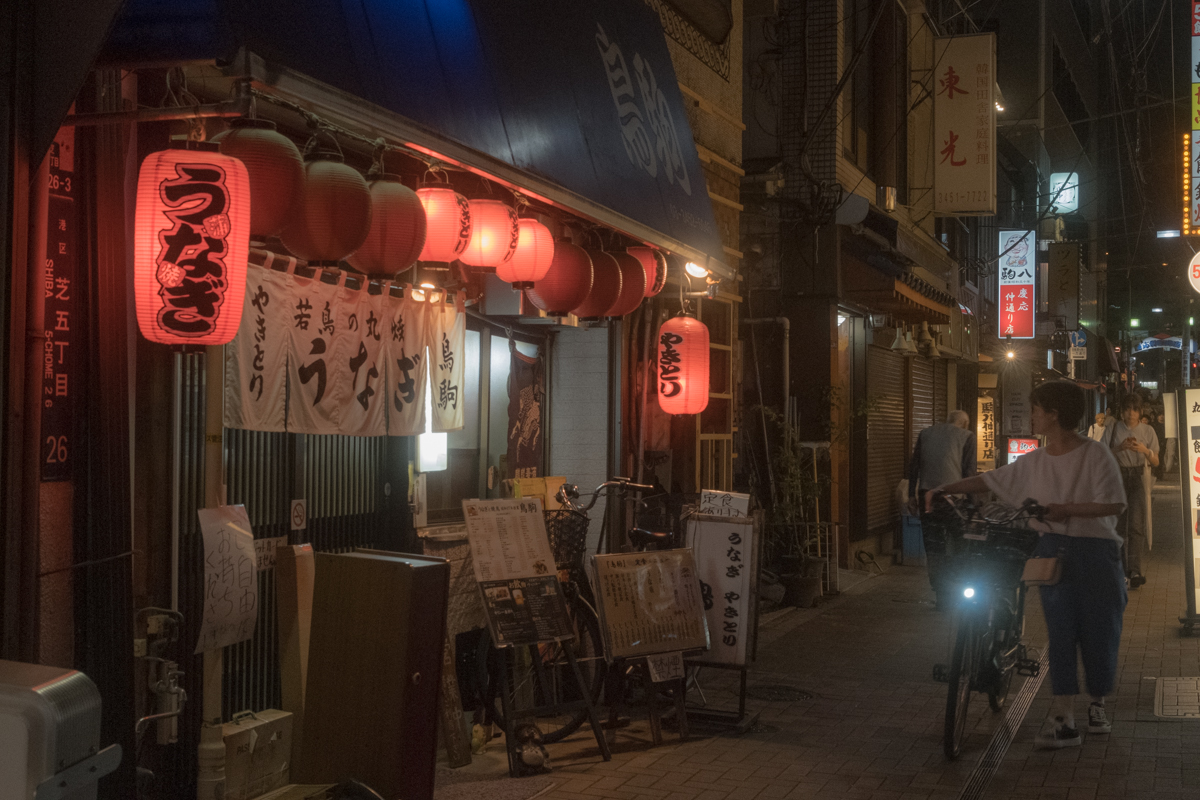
(867, 724)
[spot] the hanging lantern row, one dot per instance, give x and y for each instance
(594, 283)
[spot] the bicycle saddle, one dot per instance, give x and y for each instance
(640, 537)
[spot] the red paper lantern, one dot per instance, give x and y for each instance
(333, 219)
(655, 264)
(494, 234)
(276, 172)
(397, 231)
(191, 243)
(447, 223)
(633, 285)
(531, 261)
(606, 286)
(682, 366)
(566, 284)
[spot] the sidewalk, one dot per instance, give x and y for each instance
(868, 720)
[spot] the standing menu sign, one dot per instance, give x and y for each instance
(1189, 468)
(515, 570)
(726, 551)
(649, 603)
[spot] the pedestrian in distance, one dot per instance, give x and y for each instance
(1078, 482)
(1098, 431)
(943, 453)
(1135, 444)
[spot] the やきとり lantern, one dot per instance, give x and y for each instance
(447, 223)
(682, 366)
(531, 261)
(191, 240)
(494, 234)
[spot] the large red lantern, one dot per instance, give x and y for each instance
(567, 282)
(494, 234)
(334, 216)
(606, 286)
(191, 243)
(531, 261)
(276, 172)
(655, 264)
(397, 231)
(447, 223)
(682, 366)
(633, 285)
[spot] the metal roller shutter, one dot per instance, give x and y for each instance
(885, 435)
(922, 398)
(940, 405)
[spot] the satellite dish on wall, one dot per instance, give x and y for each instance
(853, 210)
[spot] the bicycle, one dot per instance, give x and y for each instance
(986, 555)
(545, 679)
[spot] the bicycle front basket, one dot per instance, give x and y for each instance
(568, 531)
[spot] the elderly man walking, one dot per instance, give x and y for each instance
(944, 453)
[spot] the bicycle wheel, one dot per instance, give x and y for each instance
(1006, 621)
(958, 694)
(557, 685)
(998, 693)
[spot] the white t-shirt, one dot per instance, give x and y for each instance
(1087, 474)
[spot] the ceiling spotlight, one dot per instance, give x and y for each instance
(1010, 355)
(695, 270)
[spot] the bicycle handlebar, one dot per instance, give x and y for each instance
(568, 493)
(967, 510)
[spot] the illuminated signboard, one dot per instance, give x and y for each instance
(1020, 447)
(1064, 192)
(1191, 139)
(1018, 284)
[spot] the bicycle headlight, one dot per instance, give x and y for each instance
(968, 592)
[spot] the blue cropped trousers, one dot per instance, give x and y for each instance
(1083, 612)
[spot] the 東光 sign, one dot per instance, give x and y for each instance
(964, 125)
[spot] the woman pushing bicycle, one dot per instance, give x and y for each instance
(1079, 483)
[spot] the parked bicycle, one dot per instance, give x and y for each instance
(546, 680)
(986, 551)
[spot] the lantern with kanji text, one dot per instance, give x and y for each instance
(682, 366)
(447, 223)
(191, 244)
(494, 234)
(531, 261)
(655, 264)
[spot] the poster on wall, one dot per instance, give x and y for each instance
(1017, 274)
(230, 604)
(964, 123)
(526, 390)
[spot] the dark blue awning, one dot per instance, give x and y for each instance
(581, 95)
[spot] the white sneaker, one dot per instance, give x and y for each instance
(1098, 720)
(1056, 734)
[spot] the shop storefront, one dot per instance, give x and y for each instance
(362, 381)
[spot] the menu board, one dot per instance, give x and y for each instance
(514, 568)
(1188, 421)
(649, 603)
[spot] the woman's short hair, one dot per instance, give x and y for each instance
(1064, 398)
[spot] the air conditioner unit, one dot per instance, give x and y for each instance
(50, 734)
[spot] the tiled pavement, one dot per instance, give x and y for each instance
(872, 728)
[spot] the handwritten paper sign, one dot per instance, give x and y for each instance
(724, 504)
(665, 666)
(230, 578)
(264, 551)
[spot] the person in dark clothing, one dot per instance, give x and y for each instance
(944, 453)
(1135, 444)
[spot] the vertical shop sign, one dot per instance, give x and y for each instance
(725, 551)
(359, 365)
(316, 396)
(964, 125)
(60, 376)
(1191, 139)
(1189, 459)
(985, 431)
(1018, 285)
(1016, 412)
(1063, 284)
(1064, 192)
